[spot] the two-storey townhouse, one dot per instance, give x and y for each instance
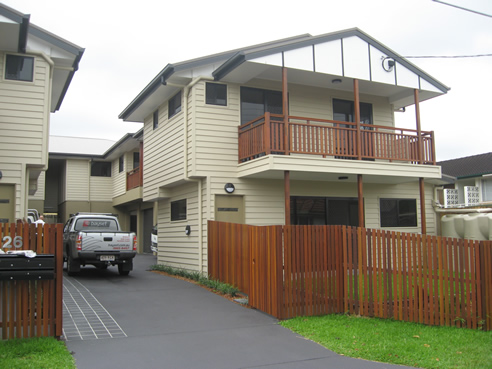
(295, 131)
(99, 175)
(36, 69)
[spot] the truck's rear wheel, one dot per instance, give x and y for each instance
(73, 267)
(124, 269)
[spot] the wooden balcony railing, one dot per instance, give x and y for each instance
(266, 135)
(133, 179)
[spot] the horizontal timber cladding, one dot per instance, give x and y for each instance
(32, 307)
(77, 180)
(23, 116)
(292, 271)
(177, 249)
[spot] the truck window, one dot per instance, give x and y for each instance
(91, 224)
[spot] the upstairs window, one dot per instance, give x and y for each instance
(121, 163)
(256, 102)
(100, 169)
(178, 210)
(343, 110)
(19, 68)
(156, 119)
(136, 160)
(174, 105)
(398, 212)
(216, 94)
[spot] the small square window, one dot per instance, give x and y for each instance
(156, 119)
(19, 68)
(178, 210)
(174, 105)
(216, 94)
(121, 164)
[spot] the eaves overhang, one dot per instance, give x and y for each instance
(158, 81)
(17, 30)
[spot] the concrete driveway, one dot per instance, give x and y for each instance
(147, 320)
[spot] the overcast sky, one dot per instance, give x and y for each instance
(128, 42)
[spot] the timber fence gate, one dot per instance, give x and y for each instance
(290, 271)
(32, 298)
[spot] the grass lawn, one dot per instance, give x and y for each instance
(397, 342)
(35, 353)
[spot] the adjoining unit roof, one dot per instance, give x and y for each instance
(84, 147)
(21, 36)
(311, 60)
(470, 166)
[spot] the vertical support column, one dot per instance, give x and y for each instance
(423, 221)
(266, 134)
(357, 119)
(287, 196)
(285, 111)
(360, 195)
(419, 129)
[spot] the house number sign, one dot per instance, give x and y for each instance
(8, 241)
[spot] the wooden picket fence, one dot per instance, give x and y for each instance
(290, 271)
(32, 308)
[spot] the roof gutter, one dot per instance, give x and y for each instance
(159, 80)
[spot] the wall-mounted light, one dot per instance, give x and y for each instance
(1, 175)
(336, 81)
(229, 188)
(188, 230)
(388, 63)
(342, 178)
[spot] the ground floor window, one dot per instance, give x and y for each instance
(178, 210)
(307, 210)
(398, 212)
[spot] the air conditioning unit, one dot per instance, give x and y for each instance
(472, 195)
(450, 197)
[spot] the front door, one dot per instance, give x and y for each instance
(7, 204)
(229, 208)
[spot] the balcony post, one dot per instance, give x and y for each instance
(423, 221)
(357, 119)
(285, 111)
(266, 134)
(287, 196)
(419, 130)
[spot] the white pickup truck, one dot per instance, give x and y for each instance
(97, 239)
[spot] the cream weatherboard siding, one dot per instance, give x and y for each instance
(118, 178)
(163, 152)
(176, 248)
(77, 180)
(24, 126)
(100, 189)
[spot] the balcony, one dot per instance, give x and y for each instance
(327, 138)
(134, 179)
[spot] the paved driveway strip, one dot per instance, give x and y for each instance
(171, 323)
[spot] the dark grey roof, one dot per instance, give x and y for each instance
(470, 166)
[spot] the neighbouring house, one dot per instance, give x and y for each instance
(465, 204)
(295, 131)
(36, 70)
(98, 175)
(473, 184)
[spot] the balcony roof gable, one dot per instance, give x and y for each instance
(311, 60)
